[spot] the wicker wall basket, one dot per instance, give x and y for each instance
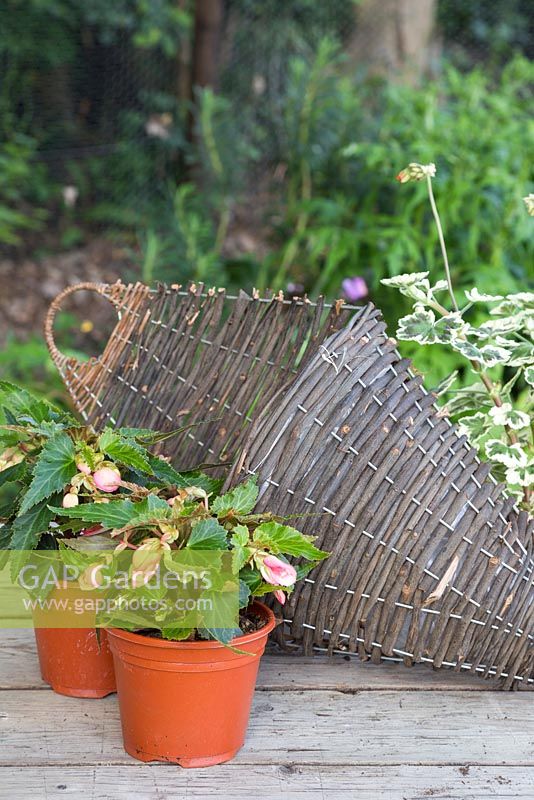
(431, 562)
(178, 358)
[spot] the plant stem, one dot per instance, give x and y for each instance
(441, 239)
(486, 380)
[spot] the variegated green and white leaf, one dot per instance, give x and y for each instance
(489, 354)
(474, 426)
(445, 384)
(451, 327)
(406, 280)
(501, 325)
(474, 296)
(529, 375)
(521, 476)
(440, 286)
(418, 327)
(521, 355)
(511, 455)
(509, 416)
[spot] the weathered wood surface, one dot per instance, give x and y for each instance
(287, 782)
(319, 728)
(19, 669)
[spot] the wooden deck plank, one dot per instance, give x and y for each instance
(19, 669)
(307, 728)
(233, 781)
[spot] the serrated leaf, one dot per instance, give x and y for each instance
(240, 500)
(251, 577)
(13, 473)
(240, 556)
(287, 540)
(27, 529)
(244, 594)
(125, 452)
(207, 534)
(529, 375)
(53, 471)
(20, 402)
(182, 480)
(118, 513)
(45, 429)
(240, 535)
(5, 541)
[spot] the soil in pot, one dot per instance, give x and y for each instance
(187, 702)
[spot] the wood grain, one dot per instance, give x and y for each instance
(286, 782)
(19, 669)
(321, 727)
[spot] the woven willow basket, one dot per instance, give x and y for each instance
(431, 562)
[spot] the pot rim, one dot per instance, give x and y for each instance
(208, 644)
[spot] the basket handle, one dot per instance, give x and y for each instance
(103, 289)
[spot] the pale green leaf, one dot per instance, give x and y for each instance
(207, 534)
(288, 541)
(240, 500)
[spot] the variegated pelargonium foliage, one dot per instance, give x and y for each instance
(495, 414)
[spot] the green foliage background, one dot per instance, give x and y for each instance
(298, 146)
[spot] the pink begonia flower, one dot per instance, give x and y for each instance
(107, 479)
(70, 500)
(81, 466)
(276, 571)
(355, 288)
(280, 596)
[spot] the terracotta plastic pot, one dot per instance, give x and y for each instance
(74, 662)
(186, 702)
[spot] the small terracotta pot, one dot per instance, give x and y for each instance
(74, 662)
(186, 702)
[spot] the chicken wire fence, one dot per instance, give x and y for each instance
(430, 561)
(103, 93)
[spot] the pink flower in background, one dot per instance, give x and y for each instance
(355, 288)
(276, 571)
(107, 479)
(280, 596)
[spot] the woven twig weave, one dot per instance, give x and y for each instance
(178, 358)
(430, 561)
